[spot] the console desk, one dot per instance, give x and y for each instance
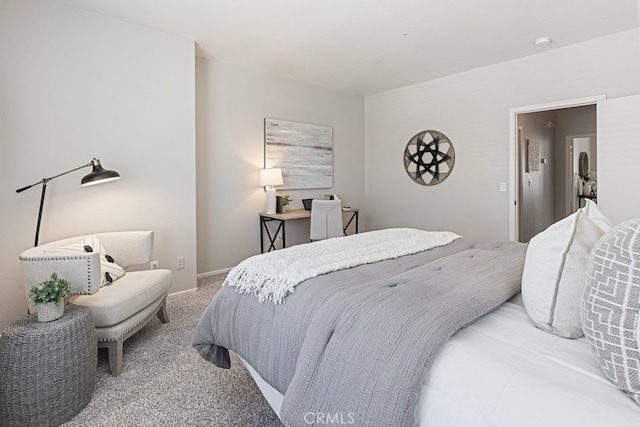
(282, 218)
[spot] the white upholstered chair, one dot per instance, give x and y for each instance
(326, 219)
(119, 309)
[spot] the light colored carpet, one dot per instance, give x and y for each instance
(165, 382)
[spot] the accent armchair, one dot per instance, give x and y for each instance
(120, 306)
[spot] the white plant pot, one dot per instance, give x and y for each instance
(50, 311)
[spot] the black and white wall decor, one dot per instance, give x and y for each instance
(429, 157)
(303, 151)
(533, 156)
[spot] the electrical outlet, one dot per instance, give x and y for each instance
(154, 265)
(180, 263)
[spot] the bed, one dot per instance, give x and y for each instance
(489, 366)
(500, 371)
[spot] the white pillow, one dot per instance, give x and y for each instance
(111, 271)
(594, 214)
(555, 271)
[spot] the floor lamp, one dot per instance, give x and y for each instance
(96, 176)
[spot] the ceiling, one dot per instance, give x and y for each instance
(370, 46)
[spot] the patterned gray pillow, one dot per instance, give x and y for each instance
(611, 305)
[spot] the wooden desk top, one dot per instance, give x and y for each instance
(296, 214)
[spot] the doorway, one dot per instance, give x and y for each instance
(543, 184)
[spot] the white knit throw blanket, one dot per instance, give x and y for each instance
(274, 275)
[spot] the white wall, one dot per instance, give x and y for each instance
(76, 85)
(472, 108)
(619, 127)
(232, 104)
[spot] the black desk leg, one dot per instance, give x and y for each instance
(272, 239)
(357, 217)
(284, 242)
(262, 224)
(346, 227)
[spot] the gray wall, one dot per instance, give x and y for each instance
(76, 85)
(571, 121)
(472, 108)
(232, 104)
(537, 201)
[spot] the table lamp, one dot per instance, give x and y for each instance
(269, 178)
(96, 176)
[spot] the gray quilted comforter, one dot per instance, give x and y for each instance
(357, 343)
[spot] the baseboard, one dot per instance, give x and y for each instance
(213, 273)
(199, 276)
(180, 293)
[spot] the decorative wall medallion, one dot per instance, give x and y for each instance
(429, 157)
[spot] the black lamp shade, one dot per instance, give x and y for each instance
(98, 175)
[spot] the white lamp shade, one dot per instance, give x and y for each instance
(269, 177)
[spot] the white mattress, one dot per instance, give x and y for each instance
(503, 372)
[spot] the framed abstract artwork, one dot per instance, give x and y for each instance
(533, 156)
(303, 151)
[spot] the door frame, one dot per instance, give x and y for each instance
(514, 151)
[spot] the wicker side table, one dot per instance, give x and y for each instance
(47, 370)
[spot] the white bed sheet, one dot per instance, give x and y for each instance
(503, 372)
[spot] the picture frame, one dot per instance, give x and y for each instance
(303, 151)
(533, 156)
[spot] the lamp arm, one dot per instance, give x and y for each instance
(98, 172)
(46, 180)
(20, 190)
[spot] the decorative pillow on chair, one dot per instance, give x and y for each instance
(554, 272)
(111, 271)
(611, 306)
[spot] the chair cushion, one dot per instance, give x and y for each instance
(125, 297)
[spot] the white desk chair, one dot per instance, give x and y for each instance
(326, 219)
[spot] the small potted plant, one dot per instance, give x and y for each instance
(49, 296)
(284, 201)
